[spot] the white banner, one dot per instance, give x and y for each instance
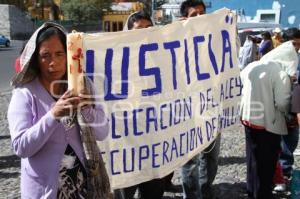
(167, 92)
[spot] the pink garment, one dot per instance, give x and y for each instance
(278, 176)
(17, 65)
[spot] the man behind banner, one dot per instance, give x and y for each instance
(199, 173)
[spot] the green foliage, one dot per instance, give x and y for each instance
(148, 5)
(82, 11)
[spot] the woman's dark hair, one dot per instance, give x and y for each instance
(136, 17)
(186, 5)
(49, 32)
(267, 35)
(42, 36)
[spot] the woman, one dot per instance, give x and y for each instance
(266, 44)
(53, 161)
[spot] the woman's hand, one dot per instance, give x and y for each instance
(66, 105)
(86, 99)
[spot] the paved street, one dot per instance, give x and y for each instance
(7, 62)
(9, 163)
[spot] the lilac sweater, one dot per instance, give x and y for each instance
(40, 140)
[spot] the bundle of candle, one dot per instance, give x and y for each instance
(75, 62)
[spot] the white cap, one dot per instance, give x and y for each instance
(277, 30)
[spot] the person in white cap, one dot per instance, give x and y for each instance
(277, 39)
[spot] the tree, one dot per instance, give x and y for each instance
(54, 11)
(38, 7)
(151, 5)
(84, 10)
(148, 5)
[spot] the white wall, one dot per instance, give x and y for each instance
(4, 20)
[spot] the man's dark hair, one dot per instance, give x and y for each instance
(138, 16)
(187, 4)
(296, 34)
(290, 34)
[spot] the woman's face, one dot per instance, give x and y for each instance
(142, 23)
(52, 60)
(196, 11)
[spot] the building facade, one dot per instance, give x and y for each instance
(115, 20)
(284, 12)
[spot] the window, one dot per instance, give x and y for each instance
(114, 26)
(269, 16)
(120, 23)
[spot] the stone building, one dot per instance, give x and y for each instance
(114, 20)
(14, 23)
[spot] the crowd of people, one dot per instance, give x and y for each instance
(48, 137)
(270, 77)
